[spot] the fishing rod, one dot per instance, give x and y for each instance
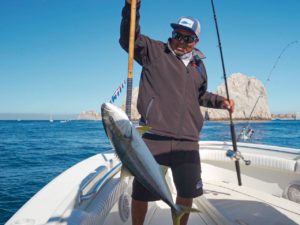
(233, 154)
(130, 58)
(246, 127)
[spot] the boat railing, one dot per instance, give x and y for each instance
(266, 156)
(91, 180)
(95, 182)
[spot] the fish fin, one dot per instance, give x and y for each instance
(143, 129)
(164, 169)
(180, 211)
(125, 172)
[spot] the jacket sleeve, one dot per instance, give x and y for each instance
(142, 42)
(208, 99)
(211, 100)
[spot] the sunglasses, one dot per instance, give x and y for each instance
(186, 38)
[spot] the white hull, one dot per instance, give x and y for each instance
(272, 168)
(91, 192)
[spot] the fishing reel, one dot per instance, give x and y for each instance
(236, 156)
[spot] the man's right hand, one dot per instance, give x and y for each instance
(129, 1)
(229, 105)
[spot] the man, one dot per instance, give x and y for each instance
(172, 87)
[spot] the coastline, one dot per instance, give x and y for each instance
(92, 115)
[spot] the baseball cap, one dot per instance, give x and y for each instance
(188, 23)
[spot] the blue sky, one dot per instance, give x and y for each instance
(59, 56)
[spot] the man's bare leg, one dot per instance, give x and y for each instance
(186, 202)
(138, 212)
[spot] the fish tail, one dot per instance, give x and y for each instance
(180, 211)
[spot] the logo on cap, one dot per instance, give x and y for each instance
(186, 22)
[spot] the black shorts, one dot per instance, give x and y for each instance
(186, 171)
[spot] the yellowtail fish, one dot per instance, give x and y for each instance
(137, 158)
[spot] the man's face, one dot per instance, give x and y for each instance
(183, 41)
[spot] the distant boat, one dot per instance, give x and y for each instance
(51, 119)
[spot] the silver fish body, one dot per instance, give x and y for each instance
(136, 157)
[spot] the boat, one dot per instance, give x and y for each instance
(51, 119)
(91, 192)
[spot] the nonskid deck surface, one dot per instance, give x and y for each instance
(161, 214)
(242, 205)
(225, 204)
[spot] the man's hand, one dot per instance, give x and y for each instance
(229, 105)
(129, 1)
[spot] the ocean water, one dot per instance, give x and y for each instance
(32, 153)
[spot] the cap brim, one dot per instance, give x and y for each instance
(178, 26)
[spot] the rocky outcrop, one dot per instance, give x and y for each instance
(244, 90)
(286, 116)
(89, 115)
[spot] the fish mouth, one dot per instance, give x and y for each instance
(104, 113)
(106, 110)
(105, 107)
(114, 117)
(104, 126)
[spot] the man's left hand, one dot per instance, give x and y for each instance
(229, 105)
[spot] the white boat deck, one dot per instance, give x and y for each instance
(90, 192)
(162, 215)
(242, 205)
(225, 204)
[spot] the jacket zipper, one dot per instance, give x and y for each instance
(148, 109)
(182, 108)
